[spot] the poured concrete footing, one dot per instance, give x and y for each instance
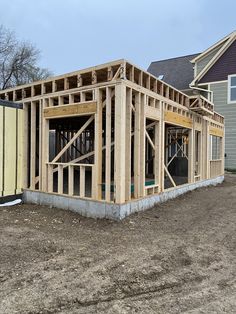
(100, 209)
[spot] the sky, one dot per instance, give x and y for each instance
(75, 34)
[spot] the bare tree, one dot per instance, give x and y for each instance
(18, 61)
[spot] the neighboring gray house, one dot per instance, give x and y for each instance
(213, 74)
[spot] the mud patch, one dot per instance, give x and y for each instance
(177, 257)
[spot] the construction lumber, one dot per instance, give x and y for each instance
(120, 138)
(177, 119)
(79, 109)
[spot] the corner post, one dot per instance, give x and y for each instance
(161, 148)
(97, 182)
(120, 136)
(191, 155)
(45, 150)
(205, 150)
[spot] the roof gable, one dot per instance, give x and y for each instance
(218, 44)
(202, 62)
(212, 61)
(223, 67)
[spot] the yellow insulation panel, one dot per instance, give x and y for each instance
(20, 152)
(1, 150)
(11, 147)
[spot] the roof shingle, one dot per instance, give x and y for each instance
(177, 72)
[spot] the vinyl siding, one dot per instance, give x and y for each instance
(223, 67)
(229, 112)
(204, 61)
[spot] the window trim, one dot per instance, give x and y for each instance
(229, 89)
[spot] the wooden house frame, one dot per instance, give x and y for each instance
(105, 133)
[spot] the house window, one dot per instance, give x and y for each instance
(232, 88)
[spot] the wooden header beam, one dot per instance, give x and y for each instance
(216, 131)
(177, 119)
(78, 109)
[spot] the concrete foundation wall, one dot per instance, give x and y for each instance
(97, 209)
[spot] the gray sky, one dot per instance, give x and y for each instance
(74, 34)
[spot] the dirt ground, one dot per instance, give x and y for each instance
(176, 258)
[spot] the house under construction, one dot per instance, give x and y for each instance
(113, 139)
